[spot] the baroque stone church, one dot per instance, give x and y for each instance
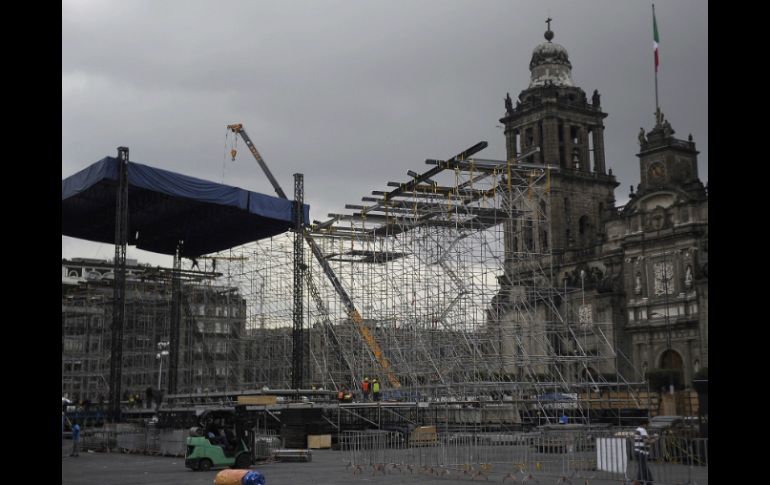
(642, 267)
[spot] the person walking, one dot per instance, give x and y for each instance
(642, 454)
(366, 388)
(376, 389)
(75, 439)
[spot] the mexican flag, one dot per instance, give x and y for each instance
(655, 38)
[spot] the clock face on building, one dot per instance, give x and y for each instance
(656, 172)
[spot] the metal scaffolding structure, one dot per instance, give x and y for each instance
(443, 288)
(454, 281)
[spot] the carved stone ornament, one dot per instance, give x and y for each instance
(664, 278)
(585, 314)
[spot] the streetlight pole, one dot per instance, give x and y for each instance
(162, 351)
(160, 369)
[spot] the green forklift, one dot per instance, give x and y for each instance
(219, 442)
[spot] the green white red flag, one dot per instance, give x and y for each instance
(655, 39)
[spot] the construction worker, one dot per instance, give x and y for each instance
(366, 388)
(341, 394)
(376, 389)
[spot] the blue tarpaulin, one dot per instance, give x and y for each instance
(166, 207)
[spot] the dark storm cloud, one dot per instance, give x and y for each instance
(355, 93)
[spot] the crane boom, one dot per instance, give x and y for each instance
(353, 313)
(237, 128)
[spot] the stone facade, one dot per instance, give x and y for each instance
(642, 268)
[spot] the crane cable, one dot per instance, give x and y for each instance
(234, 146)
(224, 163)
(233, 151)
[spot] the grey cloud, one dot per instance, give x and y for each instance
(353, 93)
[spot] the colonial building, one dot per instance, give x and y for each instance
(640, 268)
(212, 327)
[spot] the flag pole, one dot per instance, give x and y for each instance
(655, 38)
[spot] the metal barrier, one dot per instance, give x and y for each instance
(678, 460)
(138, 439)
(264, 444)
(566, 455)
(150, 440)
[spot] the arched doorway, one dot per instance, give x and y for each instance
(671, 362)
(670, 359)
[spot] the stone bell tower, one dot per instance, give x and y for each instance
(556, 116)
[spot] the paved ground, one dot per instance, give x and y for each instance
(327, 468)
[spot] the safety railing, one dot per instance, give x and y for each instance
(139, 439)
(565, 455)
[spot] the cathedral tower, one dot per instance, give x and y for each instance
(556, 116)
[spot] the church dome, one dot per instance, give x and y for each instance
(550, 64)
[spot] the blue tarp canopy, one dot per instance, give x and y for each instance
(166, 207)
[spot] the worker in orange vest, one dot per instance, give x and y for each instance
(366, 388)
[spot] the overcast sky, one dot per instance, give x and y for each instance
(354, 93)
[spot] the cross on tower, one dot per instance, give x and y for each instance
(548, 21)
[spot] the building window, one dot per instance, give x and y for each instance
(540, 156)
(528, 241)
(583, 226)
(585, 231)
(73, 345)
(638, 283)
